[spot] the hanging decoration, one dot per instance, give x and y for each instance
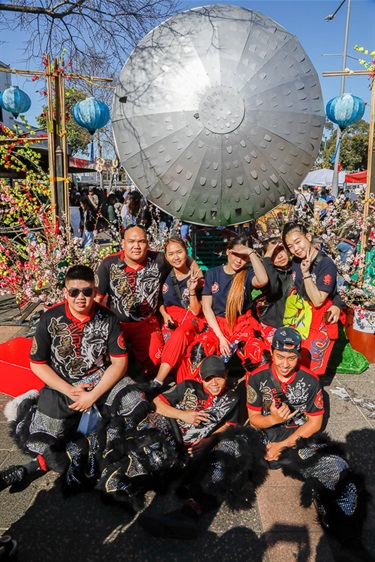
(15, 101)
(99, 164)
(345, 110)
(92, 114)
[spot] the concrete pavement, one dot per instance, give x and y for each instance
(54, 528)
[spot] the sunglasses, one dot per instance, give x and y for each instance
(86, 292)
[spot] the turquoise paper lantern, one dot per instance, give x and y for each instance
(92, 114)
(345, 110)
(15, 101)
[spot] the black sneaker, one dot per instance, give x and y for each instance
(11, 475)
(173, 525)
(8, 548)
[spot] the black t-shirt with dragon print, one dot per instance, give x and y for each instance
(190, 395)
(78, 351)
(133, 294)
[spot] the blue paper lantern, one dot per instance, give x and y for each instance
(345, 110)
(91, 114)
(15, 101)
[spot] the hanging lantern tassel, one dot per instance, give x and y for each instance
(92, 150)
(345, 110)
(92, 114)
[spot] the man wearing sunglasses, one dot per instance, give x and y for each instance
(79, 353)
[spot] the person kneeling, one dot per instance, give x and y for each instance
(225, 461)
(285, 404)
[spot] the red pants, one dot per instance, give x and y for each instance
(316, 351)
(146, 342)
(245, 330)
(176, 341)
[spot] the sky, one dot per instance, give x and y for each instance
(303, 18)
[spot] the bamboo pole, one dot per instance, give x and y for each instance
(366, 208)
(370, 158)
(51, 139)
(71, 75)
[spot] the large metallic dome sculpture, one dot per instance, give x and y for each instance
(218, 112)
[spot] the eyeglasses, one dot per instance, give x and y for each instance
(86, 292)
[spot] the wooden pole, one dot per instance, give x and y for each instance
(51, 139)
(63, 144)
(370, 158)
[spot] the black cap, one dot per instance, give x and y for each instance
(213, 366)
(287, 339)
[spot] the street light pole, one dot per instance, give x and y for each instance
(335, 179)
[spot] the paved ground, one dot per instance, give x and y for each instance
(53, 528)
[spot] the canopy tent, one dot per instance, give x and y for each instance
(358, 177)
(322, 178)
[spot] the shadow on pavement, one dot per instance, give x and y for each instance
(84, 529)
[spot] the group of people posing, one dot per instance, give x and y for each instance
(182, 328)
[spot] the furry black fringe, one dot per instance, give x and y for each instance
(327, 500)
(241, 473)
(19, 429)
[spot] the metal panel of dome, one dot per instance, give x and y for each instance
(223, 115)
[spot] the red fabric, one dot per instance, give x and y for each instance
(16, 377)
(267, 334)
(146, 342)
(316, 351)
(42, 463)
(244, 330)
(176, 341)
(358, 177)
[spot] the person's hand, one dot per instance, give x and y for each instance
(273, 451)
(306, 262)
(199, 446)
(281, 414)
(194, 418)
(167, 319)
(225, 348)
(332, 315)
(77, 390)
(192, 283)
(84, 402)
(271, 249)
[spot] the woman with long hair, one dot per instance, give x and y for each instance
(180, 309)
(270, 305)
(308, 306)
(227, 303)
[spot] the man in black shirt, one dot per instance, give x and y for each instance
(79, 353)
(285, 404)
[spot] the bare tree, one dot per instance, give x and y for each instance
(110, 27)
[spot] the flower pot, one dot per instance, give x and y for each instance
(360, 330)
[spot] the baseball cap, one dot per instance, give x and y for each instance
(287, 339)
(212, 366)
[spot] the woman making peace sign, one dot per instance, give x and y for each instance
(180, 309)
(314, 274)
